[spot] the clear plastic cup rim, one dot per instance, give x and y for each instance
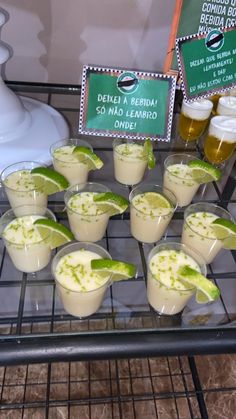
(35, 188)
(214, 207)
(130, 157)
(75, 244)
(66, 142)
(184, 164)
(201, 264)
(22, 216)
(78, 193)
(162, 192)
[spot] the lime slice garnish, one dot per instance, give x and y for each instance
(230, 242)
(206, 290)
(118, 270)
(85, 155)
(148, 151)
(49, 180)
(111, 203)
(203, 172)
(156, 200)
(225, 230)
(54, 233)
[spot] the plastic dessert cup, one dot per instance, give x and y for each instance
(82, 295)
(178, 178)
(20, 188)
(66, 163)
(129, 161)
(151, 210)
(194, 119)
(197, 232)
(27, 250)
(87, 222)
(164, 292)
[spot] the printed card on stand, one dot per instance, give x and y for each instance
(125, 103)
(207, 63)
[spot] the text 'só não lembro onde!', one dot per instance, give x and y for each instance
(149, 111)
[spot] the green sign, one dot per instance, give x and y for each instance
(198, 16)
(130, 104)
(207, 63)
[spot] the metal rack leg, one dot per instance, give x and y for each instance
(198, 388)
(229, 187)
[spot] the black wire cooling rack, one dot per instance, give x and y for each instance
(35, 329)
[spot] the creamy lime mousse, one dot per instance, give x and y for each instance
(28, 251)
(198, 234)
(178, 178)
(66, 163)
(21, 191)
(130, 162)
(166, 294)
(81, 289)
(87, 221)
(150, 214)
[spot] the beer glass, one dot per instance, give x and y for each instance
(221, 139)
(227, 106)
(215, 99)
(193, 119)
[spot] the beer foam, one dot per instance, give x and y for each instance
(227, 106)
(224, 128)
(199, 110)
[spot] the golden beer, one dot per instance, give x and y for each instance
(220, 142)
(191, 129)
(193, 119)
(215, 99)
